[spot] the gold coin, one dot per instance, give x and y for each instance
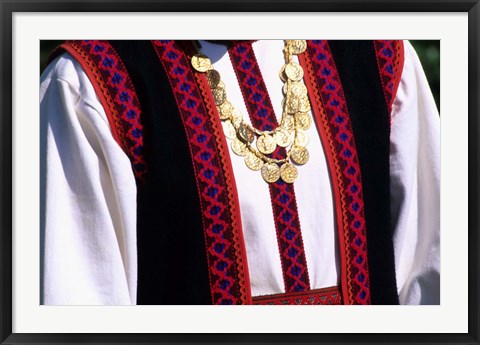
(239, 148)
(236, 118)
(291, 105)
(295, 88)
(253, 162)
(245, 133)
(219, 95)
(225, 110)
(266, 144)
(213, 78)
(281, 74)
(221, 84)
(301, 138)
(299, 155)
(288, 122)
(298, 46)
(294, 71)
(270, 172)
(201, 63)
(303, 120)
(303, 104)
(229, 130)
(288, 172)
(282, 137)
(298, 89)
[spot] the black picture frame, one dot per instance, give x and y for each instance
(8, 7)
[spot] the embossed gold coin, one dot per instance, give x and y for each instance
(299, 155)
(298, 89)
(239, 148)
(282, 137)
(213, 78)
(266, 144)
(246, 133)
(219, 95)
(288, 172)
(270, 172)
(301, 138)
(225, 110)
(294, 71)
(222, 85)
(298, 46)
(291, 105)
(253, 162)
(236, 118)
(303, 120)
(288, 122)
(281, 74)
(201, 63)
(229, 130)
(303, 104)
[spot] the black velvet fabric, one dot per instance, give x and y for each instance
(172, 264)
(357, 67)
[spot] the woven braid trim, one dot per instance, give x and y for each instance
(325, 296)
(228, 272)
(282, 195)
(390, 60)
(117, 95)
(327, 93)
(238, 239)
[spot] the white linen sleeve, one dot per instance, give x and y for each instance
(88, 234)
(415, 186)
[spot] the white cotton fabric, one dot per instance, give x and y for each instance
(415, 186)
(90, 238)
(90, 233)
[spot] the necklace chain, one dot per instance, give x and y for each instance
(255, 145)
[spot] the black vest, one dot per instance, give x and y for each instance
(172, 256)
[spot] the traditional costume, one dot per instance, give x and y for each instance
(239, 172)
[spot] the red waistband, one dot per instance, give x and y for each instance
(325, 296)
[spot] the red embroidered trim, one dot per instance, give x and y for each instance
(239, 242)
(117, 95)
(228, 272)
(287, 222)
(326, 296)
(323, 75)
(390, 59)
(338, 190)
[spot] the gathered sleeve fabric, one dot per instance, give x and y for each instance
(415, 186)
(88, 236)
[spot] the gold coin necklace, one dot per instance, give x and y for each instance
(255, 145)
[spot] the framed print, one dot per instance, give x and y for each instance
(205, 58)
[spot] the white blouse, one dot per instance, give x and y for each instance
(90, 254)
